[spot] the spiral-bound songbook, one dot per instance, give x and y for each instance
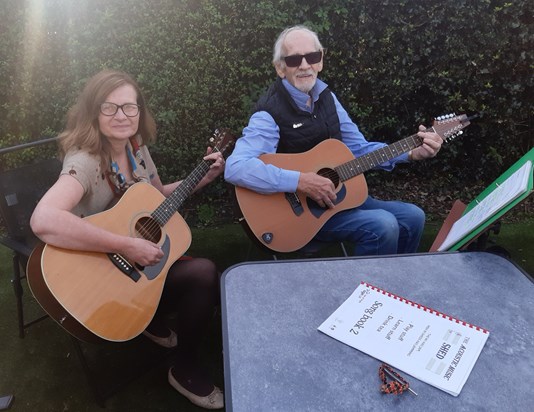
(422, 342)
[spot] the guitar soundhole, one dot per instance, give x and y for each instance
(148, 229)
(330, 174)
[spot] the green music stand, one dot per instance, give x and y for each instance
(459, 209)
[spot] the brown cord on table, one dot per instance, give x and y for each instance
(393, 386)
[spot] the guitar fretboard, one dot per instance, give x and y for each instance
(371, 160)
(175, 200)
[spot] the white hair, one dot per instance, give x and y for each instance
(278, 45)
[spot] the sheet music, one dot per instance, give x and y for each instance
(510, 189)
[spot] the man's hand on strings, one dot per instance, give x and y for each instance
(431, 144)
(319, 188)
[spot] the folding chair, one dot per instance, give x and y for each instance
(20, 190)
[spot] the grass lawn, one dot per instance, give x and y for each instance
(42, 369)
(516, 238)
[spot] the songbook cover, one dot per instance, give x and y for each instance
(424, 343)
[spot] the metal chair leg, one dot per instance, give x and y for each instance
(343, 250)
(19, 293)
(17, 288)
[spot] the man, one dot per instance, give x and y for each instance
(299, 111)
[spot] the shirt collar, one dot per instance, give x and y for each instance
(301, 98)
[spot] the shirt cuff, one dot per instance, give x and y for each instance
(289, 180)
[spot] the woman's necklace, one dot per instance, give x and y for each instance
(116, 179)
(120, 180)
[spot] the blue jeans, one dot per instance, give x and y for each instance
(377, 227)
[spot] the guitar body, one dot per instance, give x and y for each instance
(49, 303)
(90, 288)
(284, 228)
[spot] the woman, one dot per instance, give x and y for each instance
(104, 152)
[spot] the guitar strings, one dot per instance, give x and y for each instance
(152, 227)
(354, 167)
(161, 215)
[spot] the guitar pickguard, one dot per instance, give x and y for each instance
(317, 210)
(151, 272)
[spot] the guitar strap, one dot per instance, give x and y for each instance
(116, 179)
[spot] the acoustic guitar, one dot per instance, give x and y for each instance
(102, 296)
(285, 222)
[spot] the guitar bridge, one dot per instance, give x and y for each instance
(124, 266)
(295, 203)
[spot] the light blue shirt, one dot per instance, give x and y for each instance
(243, 168)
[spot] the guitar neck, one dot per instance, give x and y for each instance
(175, 200)
(371, 160)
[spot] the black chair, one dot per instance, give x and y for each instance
(20, 190)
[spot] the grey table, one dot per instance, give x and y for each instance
(275, 359)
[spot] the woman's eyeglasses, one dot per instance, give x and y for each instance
(110, 109)
(296, 59)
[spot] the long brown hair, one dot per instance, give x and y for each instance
(82, 130)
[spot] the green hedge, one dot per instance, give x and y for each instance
(393, 64)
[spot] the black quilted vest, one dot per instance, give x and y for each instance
(300, 130)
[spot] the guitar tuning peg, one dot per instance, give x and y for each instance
(460, 132)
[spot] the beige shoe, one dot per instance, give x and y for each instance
(170, 341)
(215, 400)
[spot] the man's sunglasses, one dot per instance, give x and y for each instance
(296, 59)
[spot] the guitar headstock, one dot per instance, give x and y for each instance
(450, 125)
(221, 141)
